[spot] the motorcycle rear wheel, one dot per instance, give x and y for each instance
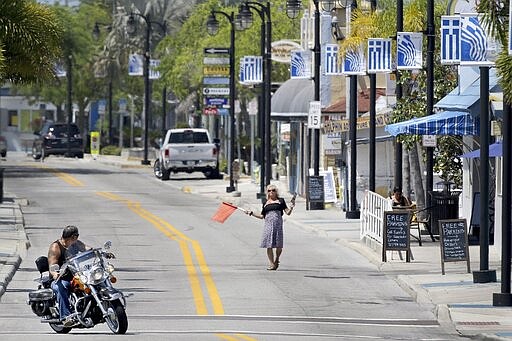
(59, 328)
(116, 318)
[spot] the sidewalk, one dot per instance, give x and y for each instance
(459, 302)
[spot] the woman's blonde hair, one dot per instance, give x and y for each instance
(269, 187)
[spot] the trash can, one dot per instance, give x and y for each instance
(445, 205)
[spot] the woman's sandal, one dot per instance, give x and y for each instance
(276, 265)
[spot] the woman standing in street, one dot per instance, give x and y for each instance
(272, 212)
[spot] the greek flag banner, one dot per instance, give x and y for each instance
(379, 55)
(241, 74)
(300, 64)
(59, 69)
(153, 72)
(135, 65)
(475, 44)
(252, 69)
(354, 63)
(510, 30)
(332, 66)
(450, 39)
(409, 50)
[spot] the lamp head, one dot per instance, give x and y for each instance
(293, 8)
(212, 24)
(131, 25)
(246, 16)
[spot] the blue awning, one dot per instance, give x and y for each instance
(468, 100)
(444, 123)
(495, 150)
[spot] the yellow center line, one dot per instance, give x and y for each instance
(65, 177)
(183, 242)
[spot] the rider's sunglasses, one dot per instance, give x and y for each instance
(271, 190)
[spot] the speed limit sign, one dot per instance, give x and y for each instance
(315, 109)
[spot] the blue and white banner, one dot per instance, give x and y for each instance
(135, 63)
(60, 71)
(354, 63)
(450, 39)
(331, 64)
(153, 72)
(510, 30)
(300, 64)
(409, 47)
(379, 55)
(476, 45)
(251, 69)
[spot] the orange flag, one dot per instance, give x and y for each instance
(224, 211)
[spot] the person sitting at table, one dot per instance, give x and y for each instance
(398, 198)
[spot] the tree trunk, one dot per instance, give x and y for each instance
(406, 190)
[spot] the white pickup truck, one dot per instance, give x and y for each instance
(188, 150)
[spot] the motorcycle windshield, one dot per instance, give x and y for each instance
(74, 249)
(85, 261)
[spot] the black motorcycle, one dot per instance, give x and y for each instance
(93, 298)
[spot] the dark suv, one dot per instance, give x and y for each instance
(53, 139)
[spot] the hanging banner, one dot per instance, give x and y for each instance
(476, 45)
(379, 55)
(135, 63)
(153, 72)
(354, 63)
(332, 67)
(300, 64)
(251, 70)
(450, 39)
(409, 47)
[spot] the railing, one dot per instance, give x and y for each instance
(372, 216)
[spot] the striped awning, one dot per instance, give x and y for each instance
(443, 123)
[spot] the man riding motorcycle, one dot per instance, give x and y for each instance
(57, 255)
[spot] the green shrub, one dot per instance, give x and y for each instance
(111, 150)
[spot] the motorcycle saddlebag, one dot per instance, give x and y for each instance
(40, 295)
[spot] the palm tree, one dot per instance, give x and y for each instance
(29, 41)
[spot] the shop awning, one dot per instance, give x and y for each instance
(469, 98)
(444, 123)
(495, 150)
(291, 101)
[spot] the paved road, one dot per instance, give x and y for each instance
(192, 278)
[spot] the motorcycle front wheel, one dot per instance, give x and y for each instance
(116, 317)
(59, 328)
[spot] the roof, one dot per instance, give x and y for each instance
(363, 102)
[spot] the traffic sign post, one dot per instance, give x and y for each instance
(314, 116)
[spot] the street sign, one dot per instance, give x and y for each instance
(216, 80)
(216, 101)
(314, 115)
(215, 60)
(216, 50)
(210, 111)
(215, 91)
(216, 70)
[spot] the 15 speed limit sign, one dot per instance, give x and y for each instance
(315, 109)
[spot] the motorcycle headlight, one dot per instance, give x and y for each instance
(83, 278)
(110, 268)
(97, 274)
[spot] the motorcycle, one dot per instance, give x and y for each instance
(93, 298)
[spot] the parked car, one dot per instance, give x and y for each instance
(3, 146)
(53, 139)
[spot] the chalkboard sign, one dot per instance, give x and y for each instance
(316, 188)
(454, 241)
(396, 232)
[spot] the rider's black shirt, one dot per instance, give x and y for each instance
(62, 259)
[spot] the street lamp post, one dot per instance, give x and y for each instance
(212, 25)
(265, 47)
(147, 85)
